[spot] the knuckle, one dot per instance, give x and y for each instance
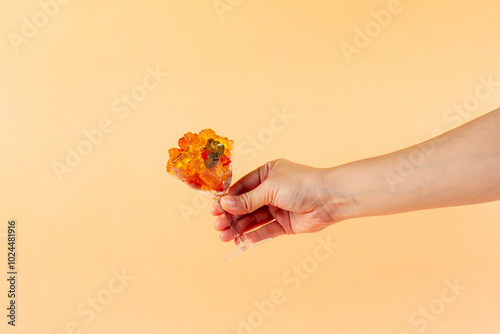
(246, 202)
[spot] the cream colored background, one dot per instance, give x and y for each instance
(120, 209)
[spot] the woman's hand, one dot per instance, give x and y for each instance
(279, 198)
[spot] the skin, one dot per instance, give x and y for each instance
(459, 167)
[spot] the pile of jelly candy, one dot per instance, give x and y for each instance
(202, 161)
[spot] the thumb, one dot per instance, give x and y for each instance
(247, 202)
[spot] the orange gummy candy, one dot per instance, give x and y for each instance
(202, 161)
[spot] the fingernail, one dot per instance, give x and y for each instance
(229, 201)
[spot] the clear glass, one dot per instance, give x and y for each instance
(208, 159)
(241, 240)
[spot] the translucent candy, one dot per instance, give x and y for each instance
(215, 147)
(212, 160)
(187, 139)
(202, 161)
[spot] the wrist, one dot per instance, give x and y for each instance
(337, 198)
(356, 190)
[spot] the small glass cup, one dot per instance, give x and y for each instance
(242, 241)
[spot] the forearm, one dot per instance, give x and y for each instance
(459, 167)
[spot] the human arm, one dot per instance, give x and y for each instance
(459, 167)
